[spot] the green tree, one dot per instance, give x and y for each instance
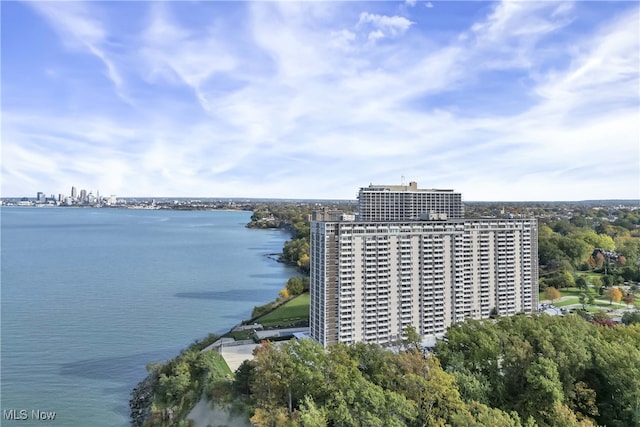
(480, 415)
(242, 378)
(432, 390)
(601, 241)
(628, 246)
(581, 282)
(564, 279)
(575, 249)
(174, 385)
(583, 299)
(413, 340)
(295, 286)
(596, 282)
(615, 376)
(543, 389)
(312, 416)
(355, 401)
(631, 317)
(608, 280)
(270, 416)
(273, 380)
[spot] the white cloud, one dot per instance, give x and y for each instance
(171, 51)
(520, 18)
(607, 60)
(508, 36)
(79, 29)
(383, 26)
(342, 39)
(297, 101)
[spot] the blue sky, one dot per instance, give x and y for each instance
(500, 101)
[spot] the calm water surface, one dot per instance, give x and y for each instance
(90, 296)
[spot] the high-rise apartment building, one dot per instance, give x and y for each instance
(407, 202)
(372, 279)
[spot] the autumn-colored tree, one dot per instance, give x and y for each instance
(272, 416)
(614, 294)
(600, 318)
(304, 262)
(599, 260)
(284, 293)
(552, 294)
(430, 388)
(628, 299)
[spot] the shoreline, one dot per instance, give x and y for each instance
(141, 400)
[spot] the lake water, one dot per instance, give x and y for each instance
(90, 296)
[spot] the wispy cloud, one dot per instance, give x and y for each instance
(80, 29)
(518, 100)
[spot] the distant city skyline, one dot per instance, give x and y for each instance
(504, 101)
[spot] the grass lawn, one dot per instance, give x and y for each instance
(589, 275)
(597, 305)
(218, 367)
(564, 292)
(601, 301)
(290, 312)
(574, 292)
(566, 302)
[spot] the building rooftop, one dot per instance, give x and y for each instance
(413, 186)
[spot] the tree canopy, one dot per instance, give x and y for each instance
(518, 371)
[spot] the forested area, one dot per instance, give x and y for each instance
(178, 384)
(576, 370)
(571, 238)
(518, 371)
(293, 217)
(574, 238)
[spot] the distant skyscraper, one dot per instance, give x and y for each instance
(74, 193)
(407, 202)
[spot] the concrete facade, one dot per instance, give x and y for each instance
(372, 279)
(407, 202)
